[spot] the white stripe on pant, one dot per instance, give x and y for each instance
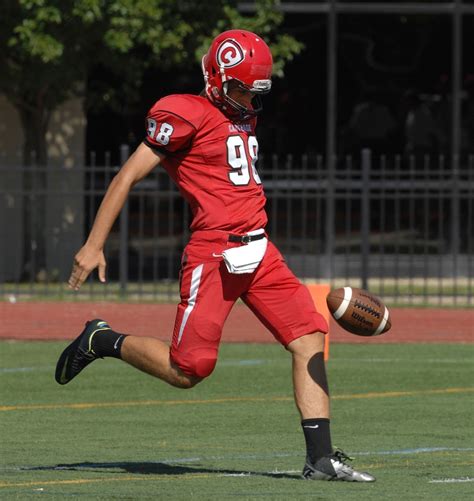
(193, 291)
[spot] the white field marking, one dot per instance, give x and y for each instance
(345, 303)
(406, 360)
(236, 474)
(234, 363)
(225, 363)
(10, 370)
(231, 363)
(256, 474)
(418, 450)
(236, 457)
(451, 480)
(249, 362)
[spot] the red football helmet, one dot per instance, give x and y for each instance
(237, 55)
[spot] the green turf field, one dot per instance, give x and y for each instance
(404, 412)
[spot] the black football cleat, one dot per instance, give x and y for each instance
(334, 467)
(79, 354)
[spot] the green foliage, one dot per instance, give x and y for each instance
(48, 47)
(265, 21)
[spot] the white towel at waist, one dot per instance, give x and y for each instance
(245, 258)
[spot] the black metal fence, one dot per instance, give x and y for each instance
(402, 227)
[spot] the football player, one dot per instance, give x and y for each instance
(207, 144)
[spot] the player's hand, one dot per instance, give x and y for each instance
(85, 261)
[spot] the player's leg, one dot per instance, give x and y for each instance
(152, 356)
(285, 306)
(98, 340)
(208, 294)
(309, 376)
(205, 304)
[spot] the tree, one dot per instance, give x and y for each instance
(48, 48)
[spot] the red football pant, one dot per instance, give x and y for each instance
(208, 293)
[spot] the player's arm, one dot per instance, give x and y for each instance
(91, 255)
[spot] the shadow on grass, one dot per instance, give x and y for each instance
(154, 468)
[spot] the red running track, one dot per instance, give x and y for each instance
(46, 320)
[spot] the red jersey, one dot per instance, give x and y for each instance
(212, 161)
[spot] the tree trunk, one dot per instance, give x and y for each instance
(35, 125)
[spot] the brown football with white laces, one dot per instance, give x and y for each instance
(358, 311)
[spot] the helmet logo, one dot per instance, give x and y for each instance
(229, 54)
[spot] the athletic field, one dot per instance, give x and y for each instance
(403, 411)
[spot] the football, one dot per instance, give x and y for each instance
(358, 311)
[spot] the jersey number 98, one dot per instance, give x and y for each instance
(238, 160)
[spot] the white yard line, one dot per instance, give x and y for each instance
(451, 480)
(10, 370)
(418, 450)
